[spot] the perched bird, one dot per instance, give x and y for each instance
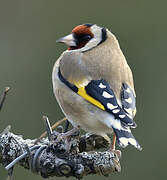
(93, 84)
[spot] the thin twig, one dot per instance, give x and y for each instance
(48, 127)
(53, 127)
(58, 123)
(3, 97)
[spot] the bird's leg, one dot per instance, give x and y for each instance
(112, 149)
(113, 142)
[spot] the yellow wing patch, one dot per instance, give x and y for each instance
(82, 93)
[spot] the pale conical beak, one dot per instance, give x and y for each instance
(68, 40)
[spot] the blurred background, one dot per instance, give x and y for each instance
(28, 51)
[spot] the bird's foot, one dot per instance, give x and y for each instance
(117, 152)
(66, 135)
(65, 138)
(117, 155)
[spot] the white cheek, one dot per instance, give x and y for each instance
(97, 32)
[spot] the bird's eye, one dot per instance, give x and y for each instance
(86, 37)
(82, 38)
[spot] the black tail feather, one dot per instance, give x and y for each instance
(125, 137)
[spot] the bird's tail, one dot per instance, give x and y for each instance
(125, 137)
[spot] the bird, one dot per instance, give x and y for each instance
(94, 85)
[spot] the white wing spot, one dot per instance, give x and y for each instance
(129, 100)
(128, 90)
(102, 86)
(107, 95)
(133, 142)
(125, 141)
(115, 111)
(129, 110)
(121, 116)
(111, 106)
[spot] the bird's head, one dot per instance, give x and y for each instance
(84, 37)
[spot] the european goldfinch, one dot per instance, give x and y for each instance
(93, 84)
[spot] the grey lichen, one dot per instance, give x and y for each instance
(49, 159)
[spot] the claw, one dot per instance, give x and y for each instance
(65, 137)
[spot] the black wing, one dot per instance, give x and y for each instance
(101, 91)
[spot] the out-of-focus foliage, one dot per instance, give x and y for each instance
(28, 50)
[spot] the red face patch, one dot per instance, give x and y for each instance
(82, 29)
(82, 34)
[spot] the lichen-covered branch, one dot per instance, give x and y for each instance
(58, 155)
(75, 156)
